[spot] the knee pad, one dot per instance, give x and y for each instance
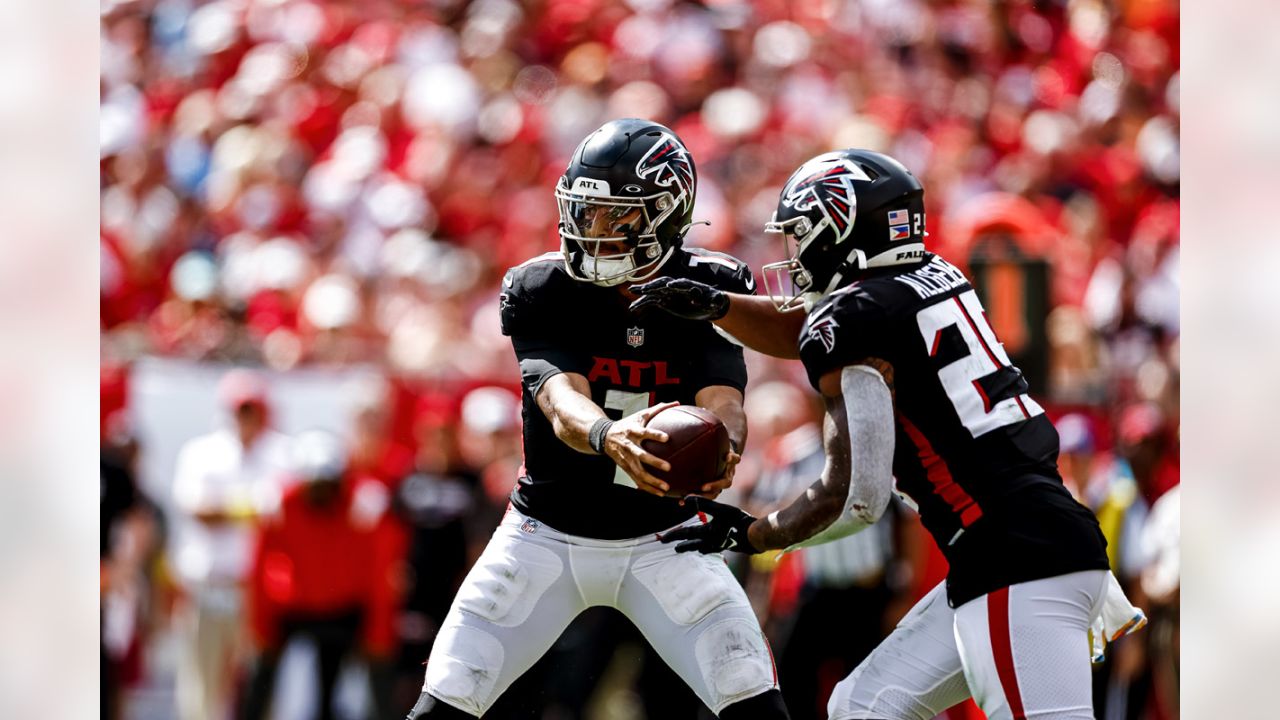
(464, 667)
(765, 706)
(507, 580)
(870, 693)
(735, 660)
(688, 586)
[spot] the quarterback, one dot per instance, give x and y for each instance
(917, 387)
(585, 517)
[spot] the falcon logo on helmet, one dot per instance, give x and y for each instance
(668, 162)
(840, 214)
(829, 187)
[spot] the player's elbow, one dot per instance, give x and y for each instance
(869, 505)
(868, 513)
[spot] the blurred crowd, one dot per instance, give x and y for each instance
(291, 184)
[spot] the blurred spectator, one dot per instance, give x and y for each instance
(1122, 493)
(489, 439)
(325, 568)
(131, 540)
(1076, 455)
(224, 481)
(375, 452)
(435, 502)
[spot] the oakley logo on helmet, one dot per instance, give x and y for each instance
(668, 162)
(829, 186)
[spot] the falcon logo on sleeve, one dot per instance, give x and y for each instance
(829, 186)
(824, 331)
(668, 162)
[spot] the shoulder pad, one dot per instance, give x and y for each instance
(527, 284)
(534, 273)
(842, 329)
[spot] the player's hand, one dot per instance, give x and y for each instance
(727, 529)
(712, 490)
(622, 445)
(682, 297)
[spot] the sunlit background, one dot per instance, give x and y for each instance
(330, 192)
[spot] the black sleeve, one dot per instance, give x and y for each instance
(539, 348)
(541, 360)
(842, 331)
(721, 363)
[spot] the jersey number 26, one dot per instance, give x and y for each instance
(962, 379)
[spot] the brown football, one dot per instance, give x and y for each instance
(697, 442)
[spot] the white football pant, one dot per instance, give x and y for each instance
(531, 581)
(1021, 651)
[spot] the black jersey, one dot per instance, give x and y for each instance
(973, 450)
(558, 324)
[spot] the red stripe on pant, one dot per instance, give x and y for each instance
(1002, 649)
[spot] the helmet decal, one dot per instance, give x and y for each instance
(828, 186)
(668, 162)
(824, 331)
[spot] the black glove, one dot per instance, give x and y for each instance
(727, 529)
(682, 297)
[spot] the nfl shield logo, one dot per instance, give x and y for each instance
(635, 336)
(529, 526)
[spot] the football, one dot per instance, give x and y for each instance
(696, 446)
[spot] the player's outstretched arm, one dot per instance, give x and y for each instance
(858, 437)
(565, 399)
(753, 320)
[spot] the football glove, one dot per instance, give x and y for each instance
(727, 529)
(682, 297)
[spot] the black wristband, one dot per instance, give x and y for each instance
(595, 437)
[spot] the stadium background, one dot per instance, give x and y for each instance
(331, 191)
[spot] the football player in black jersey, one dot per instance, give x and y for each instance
(917, 387)
(585, 517)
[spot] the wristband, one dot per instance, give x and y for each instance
(595, 437)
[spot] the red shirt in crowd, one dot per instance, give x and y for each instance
(315, 560)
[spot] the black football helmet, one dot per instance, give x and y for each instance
(626, 201)
(840, 213)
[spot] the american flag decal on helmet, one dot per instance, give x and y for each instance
(828, 186)
(668, 162)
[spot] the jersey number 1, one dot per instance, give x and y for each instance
(962, 378)
(627, 403)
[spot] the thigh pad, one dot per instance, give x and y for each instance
(688, 586)
(507, 581)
